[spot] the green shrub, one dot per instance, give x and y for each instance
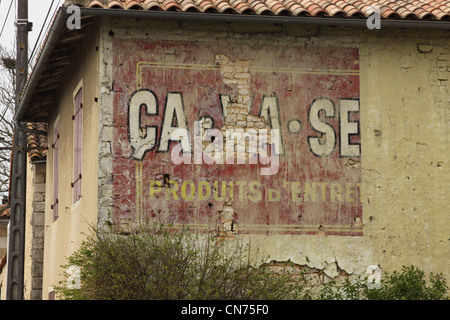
(155, 263)
(162, 263)
(409, 284)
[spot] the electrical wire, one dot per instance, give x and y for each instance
(38, 42)
(40, 33)
(38, 39)
(6, 19)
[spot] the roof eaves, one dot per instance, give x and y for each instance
(392, 19)
(328, 8)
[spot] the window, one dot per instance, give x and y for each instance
(77, 141)
(55, 147)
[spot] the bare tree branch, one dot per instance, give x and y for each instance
(7, 106)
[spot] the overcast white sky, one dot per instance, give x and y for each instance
(37, 12)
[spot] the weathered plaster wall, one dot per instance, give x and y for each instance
(406, 134)
(34, 235)
(106, 91)
(63, 236)
(404, 82)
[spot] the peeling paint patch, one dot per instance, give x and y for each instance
(373, 274)
(312, 276)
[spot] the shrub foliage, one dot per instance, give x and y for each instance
(163, 263)
(408, 284)
(155, 263)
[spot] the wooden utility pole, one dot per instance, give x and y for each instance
(16, 247)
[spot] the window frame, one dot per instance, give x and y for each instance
(56, 165)
(77, 119)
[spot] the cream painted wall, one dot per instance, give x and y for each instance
(63, 236)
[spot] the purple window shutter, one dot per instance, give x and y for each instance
(78, 126)
(55, 147)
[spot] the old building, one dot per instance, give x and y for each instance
(348, 111)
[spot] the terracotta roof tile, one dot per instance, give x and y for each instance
(5, 211)
(37, 141)
(222, 5)
(397, 9)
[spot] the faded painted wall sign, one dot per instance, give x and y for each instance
(310, 175)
